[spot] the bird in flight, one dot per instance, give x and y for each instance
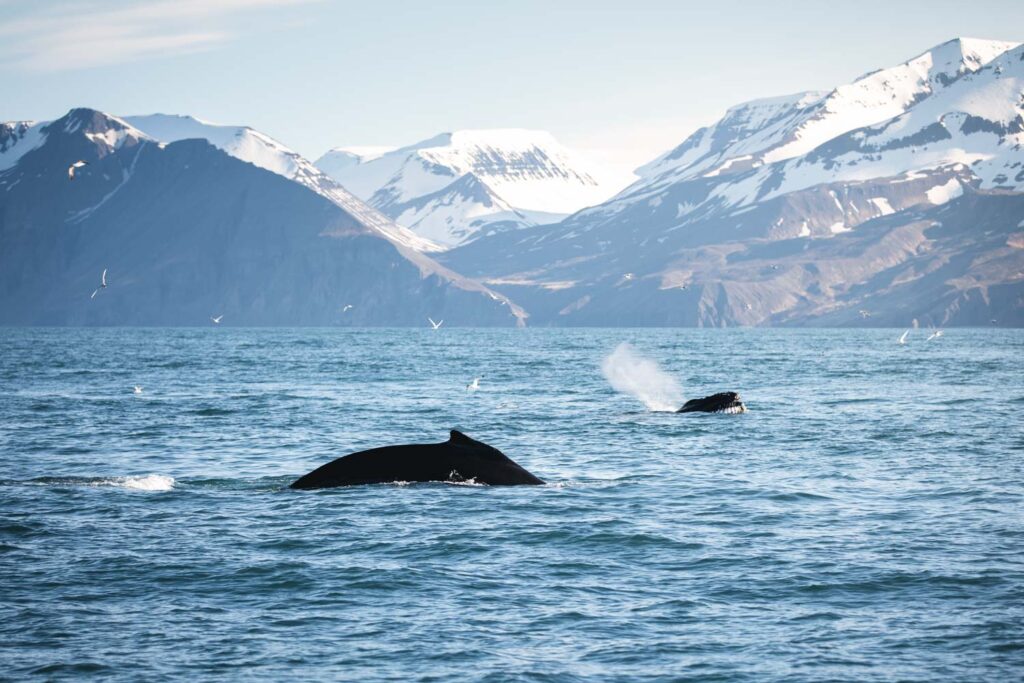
(474, 385)
(72, 167)
(347, 307)
(216, 321)
(864, 314)
(903, 338)
(435, 325)
(103, 284)
(935, 335)
(138, 389)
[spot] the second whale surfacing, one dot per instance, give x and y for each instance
(459, 459)
(724, 402)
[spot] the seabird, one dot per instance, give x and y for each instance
(474, 385)
(435, 325)
(216, 321)
(72, 167)
(138, 389)
(935, 335)
(347, 306)
(103, 284)
(903, 338)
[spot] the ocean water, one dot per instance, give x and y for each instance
(864, 521)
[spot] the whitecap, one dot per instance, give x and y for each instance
(147, 482)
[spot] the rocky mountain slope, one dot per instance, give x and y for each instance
(791, 185)
(261, 150)
(186, 231)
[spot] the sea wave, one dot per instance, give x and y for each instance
(142, 482)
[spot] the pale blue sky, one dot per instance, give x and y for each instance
(632, 78)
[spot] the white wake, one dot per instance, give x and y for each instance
(632, 374)
(149, 482)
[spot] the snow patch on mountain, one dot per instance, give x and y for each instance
(946, 192)
(240, 142)
(18, 138)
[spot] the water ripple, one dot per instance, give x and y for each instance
(861, 522)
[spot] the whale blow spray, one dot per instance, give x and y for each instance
(632, 374)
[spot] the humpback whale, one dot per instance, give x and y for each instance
(460, 458)
(724, 402)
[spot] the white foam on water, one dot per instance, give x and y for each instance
(148, 482)
(630, 373)
(142, 482)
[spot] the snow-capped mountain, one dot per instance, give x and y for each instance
(107, 134)
(262, 150)
(186, 231)
(769, 130)
(967, 130)
(457, 186)
(775, 182)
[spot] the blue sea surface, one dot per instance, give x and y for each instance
(864, 521)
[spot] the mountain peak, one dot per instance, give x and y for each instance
(93, 122)
(451, 185)
(259, 149)
(947, 61)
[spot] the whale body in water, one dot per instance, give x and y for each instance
(458, 459)
(724, 402)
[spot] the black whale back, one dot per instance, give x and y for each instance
(458, 459)
(711, 404)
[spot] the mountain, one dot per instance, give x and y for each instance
(764, 217)
(261, 150)
(186, 231)
(765, 131)
(456, 187)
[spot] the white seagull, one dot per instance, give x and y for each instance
(474, 385)
(347, 307)
(435, 325)
(138, 389)
(935, 335)
(72, 167)
(903, 338)
(103, 284)
(216, 321)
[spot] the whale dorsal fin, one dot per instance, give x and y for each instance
(461, 439)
